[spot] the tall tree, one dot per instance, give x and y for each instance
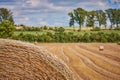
(79, 16)
(90, 18)
(6, 14)
(101, 17)
(109, 13)
(71, 22)
(116, 16)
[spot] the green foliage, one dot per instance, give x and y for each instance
(79, 16)
(90, 18)
(117, 28)
(70, 37)
(59, 29)
(118, 43)
(6, 14)
(101, 17)
(71, 23)
(96, 29)
(50, 28)
(45, 27)
(86, 37)
(6, 29)
(31, 28)
(114, 16)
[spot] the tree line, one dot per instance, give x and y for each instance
(81, 16)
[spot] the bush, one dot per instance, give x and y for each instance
(117, 28)
(118, 43)
(96, 29)
(60, 29)
(86, 37)
(69, 37)
(50, 28)
(45, 27)
(6, 29)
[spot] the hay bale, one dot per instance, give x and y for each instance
(25, 61)
(101, 48)
(35, 42)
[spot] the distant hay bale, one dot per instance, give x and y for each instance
(101, 48)
(25, 61)
(35, 43)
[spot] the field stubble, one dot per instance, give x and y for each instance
(86, 61)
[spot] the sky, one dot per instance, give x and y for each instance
(51, 12)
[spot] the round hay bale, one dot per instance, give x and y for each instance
(35, 43)
(25, 61)
(101, 48)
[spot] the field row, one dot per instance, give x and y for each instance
(86, 61)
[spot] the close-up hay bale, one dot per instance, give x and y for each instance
(25, 61)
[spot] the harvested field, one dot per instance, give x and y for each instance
(86, 61)
(25, 61)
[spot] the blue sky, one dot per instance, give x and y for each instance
(51, 12)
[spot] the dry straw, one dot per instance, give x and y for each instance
(25, 61)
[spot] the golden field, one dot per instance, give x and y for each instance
(86, 61)
(58, 61)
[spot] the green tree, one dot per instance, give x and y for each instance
(79, 16)
(90, 18)
(71, 22)
(116, 16)
(101, 17)
(109, 13)
(6, 29)
(60, 29)
(6, 14)
(45, 27)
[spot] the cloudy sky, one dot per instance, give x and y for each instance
(51, 12)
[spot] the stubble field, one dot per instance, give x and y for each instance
(86, 61)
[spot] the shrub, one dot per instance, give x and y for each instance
(6, 29)
(118, 43)
(69, 37)
(96, 29)
(86, 37)
(117, 28)
(60, 29)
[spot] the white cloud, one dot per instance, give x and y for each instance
(101, 4)
(37, 2)
(58, 24)
(92, 5)
(26, 19)
(42, 22)
(116, 0)
(52, 12)
(8, 6)
(23, 19)
(46, 5)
